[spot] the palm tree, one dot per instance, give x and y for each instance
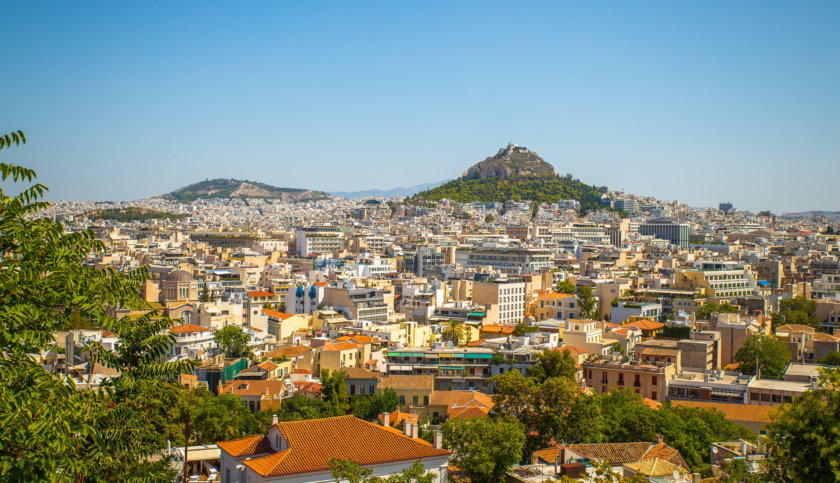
(454, 331)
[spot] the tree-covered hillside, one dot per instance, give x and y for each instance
(541, 189)
(132, 214)
(234, 188)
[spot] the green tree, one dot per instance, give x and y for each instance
(771, 354)
(51, 431)
(708, 310)
(485, 448)
(232, 340)
(832, 359)
(489, 219)
(554, 409)
(453, 331)
(523, 328)
(222, 418)
(369, 407)
(300, 407)
(586, 302)
(205, 294)
(553, 363)
(804, 437)
(350, 471)
(796, 310)
(566, 287)
(334, 392)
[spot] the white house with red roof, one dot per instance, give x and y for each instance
(191, 339)
(300, 451)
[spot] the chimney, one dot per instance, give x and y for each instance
(438, 439)
(407, 427)
(743, 448)
(415, 430)
(386, 419)
(659, 438)
(274, 420)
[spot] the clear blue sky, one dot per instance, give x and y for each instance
(697, 101)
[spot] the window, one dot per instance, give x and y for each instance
(402, 400)
(655, 379)
(414, 401)
(653, 396)
(425, 400)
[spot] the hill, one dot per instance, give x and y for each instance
(515, 173)
(391, 193)
(234, 188)
(132, 213)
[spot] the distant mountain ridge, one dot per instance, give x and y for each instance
(515, 173)
(235, 188)
(400, 192)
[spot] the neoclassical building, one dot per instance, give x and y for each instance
(179, 286)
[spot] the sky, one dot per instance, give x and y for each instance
(700, 102)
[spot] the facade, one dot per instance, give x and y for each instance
(719, 279)
(358, 303)
(649, 380)
(319, 240)
(422, 260)
(676, 233)
(452, 368)
(179, 286)
(553, 305)
(299, 451)
(514, 261)
(508, 294)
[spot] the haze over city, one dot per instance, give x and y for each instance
(696, 102)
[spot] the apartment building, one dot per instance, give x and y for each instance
(648, 380)
(549, 304)
(665, 229)
(512, 261)
(507, 293)
(587, 335)
(422, 260)
(718, 279)
(358, 303)
(319, 240)
(452, 368)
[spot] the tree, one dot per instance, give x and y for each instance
(832, 359)
(708, 310)
(804, 437)
(51, 430)
(586, 302)
(485, 448)
(523, 328)
(796, 310)
(566, 287)
(300, 407)
(222, 418)
(553, 363)
(771, 354)
(205, 294)
(353, 473)
(334, 392)
(453, 331)
(232, 340)
(489, 219)
(554, 409)
(369, 407)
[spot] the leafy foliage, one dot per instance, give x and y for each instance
(133, 214)
(485, 448)
(232, 340)
(52, 431)
(222, 418)
(708, 310)
(538, 188)
(586, 302)
(804, 437)
(370, 406)
(553, 363)
(566, 287)
(454, 331)
(796, 310)
(832, 359)
(344, 470)
(771, 354)
(334, 392)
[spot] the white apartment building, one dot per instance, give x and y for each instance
(508, 294)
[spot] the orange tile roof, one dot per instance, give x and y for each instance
(246, 446)
(341, 346)
(498, 328)
(293, 351)
(554, 295)
(314, 442)
(734, 412)
(188, 329)
(251, 387)
(407, 381)
(398, 416)
(259, 293)
(618, 453)
(460, 398)
(644, 324)
(276, 314)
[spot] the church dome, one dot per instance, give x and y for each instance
(179, 276)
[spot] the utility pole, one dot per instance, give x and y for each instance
(186, 446)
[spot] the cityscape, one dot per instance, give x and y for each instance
(533, 315)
